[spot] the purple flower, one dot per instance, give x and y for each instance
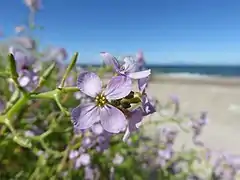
(164, 155)
(23, 61)
(55, 53)
(24, 42)
(203, 120)
(118, 159)
(197, 127)
(223, 169)
(148, 107)
(97, 129)
(103, 141)
(168, 136)
(88, 173)
(28, 79)
(134, 121)
(110, 117)
(73, 154)
(129, 67)
(140, 60)
(34, 5)
(29, 133)
(83, 160)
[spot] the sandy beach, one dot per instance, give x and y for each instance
(219, 96)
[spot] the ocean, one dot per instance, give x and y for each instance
(216, 70)
(185, 70)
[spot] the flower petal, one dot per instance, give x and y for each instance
(89, 83)
(126, 135)
(142, 84)
(135, 119)
(140, 74)
(112, 119)
(130, 65)
(118, 87)
(134, 122)
(24, 81)
(22, 60)
(85, 115)
(139, 56)
(110, 60)
(148, 107)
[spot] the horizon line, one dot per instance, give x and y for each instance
(170, 64)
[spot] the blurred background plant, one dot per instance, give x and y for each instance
(37, 139)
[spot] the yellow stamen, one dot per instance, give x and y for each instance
(101, 100)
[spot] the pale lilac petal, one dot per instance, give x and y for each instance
(142, 84)
(126, 135)
(85, 115)
(22, 60)
(135, 119)
(97, 129)
(140, 56)
(89, 83)
(85, 159)
(24, 81)
(140, 74)
(110, 60)
(73, 154)
(103, 142)
(118, 87)
(88, 173)
(130, 65)
(112, 119)
(148, 108)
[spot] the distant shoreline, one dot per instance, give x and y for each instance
(215, 70)
(200, 80)
(191, 79)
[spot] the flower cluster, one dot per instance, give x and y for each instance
(115, 105)
(72, 122)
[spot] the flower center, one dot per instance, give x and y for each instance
(101, 100)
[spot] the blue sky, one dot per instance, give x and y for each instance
(168, 31)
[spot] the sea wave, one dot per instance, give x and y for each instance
(186, 75)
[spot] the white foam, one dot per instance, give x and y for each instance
(187, 75)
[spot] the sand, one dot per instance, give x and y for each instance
(217, 95)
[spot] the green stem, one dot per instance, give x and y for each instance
(21, 89)
(51, 94)
(56, 97)
(12, 100)
(65, 156)
(46, 74)
(44, 95)
(68, 70)
(4, 74)
(48, 150)
(9, 125)
(13, 111)
(17, 107)
(6, 119)
(69, 89)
